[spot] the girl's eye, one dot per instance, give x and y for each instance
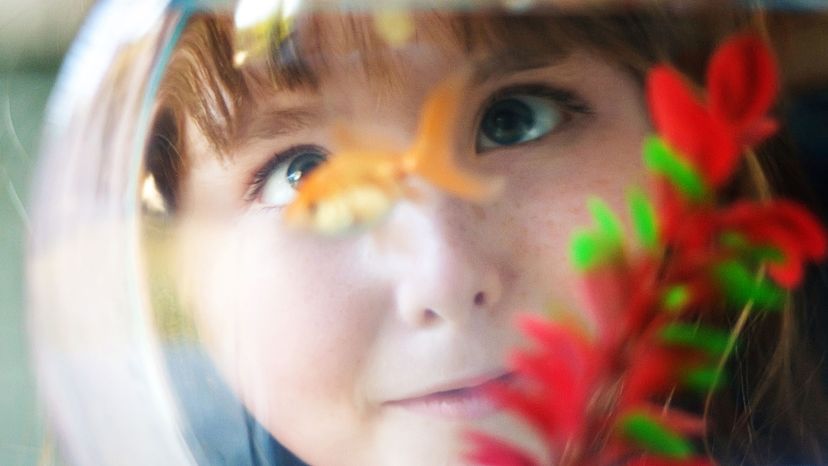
(276, 183)
(521, 116)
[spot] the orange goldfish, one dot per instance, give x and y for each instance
(356, 187)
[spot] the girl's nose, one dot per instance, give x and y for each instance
(445, 271)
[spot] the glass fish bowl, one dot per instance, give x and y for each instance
(286, 232)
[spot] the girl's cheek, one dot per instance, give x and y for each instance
(274, 309)
(548, 199)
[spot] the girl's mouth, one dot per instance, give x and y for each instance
(465, 401)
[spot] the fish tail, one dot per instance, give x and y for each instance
(433, 157)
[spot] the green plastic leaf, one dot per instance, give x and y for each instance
(675, 298)
(648, 433)
(589, 250)
(767, 253)
(734, 240)
(661, 159)
(711, 340)
(740, 286)
(608, 225)
(644, 219)
(703, 379)
(585, 251)
(601, 245)
(738, 242)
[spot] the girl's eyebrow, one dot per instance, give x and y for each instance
(272, 123)
(508, 62)
(275, 122)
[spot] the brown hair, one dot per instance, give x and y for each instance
(773, 410)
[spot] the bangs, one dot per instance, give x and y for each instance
(203, 84)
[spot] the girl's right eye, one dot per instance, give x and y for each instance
(276, 183)
(524, 113)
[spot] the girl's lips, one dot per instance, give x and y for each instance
(469, 400)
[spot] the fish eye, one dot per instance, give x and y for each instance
(522, 115)
(279, 180)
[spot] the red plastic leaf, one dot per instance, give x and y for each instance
(564, 389)
(688, 127)
(533, 409)
(676, 112)
(564, 341)
(758, 131)
(563, 367)
(810, 231)
(789, 272)
(489, 451)
(784, 225)
(638, 313)
(604, 292)
(653, 372)
(671, 208)
(742, 82)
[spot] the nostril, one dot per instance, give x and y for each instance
(429, 316)
(479, 299)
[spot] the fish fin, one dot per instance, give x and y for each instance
(432, 156)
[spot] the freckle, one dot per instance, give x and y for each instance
(479, 213)
(479, 299)
(429, 316)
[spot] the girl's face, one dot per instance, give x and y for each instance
(373, 348)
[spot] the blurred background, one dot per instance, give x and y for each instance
(34, 35)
